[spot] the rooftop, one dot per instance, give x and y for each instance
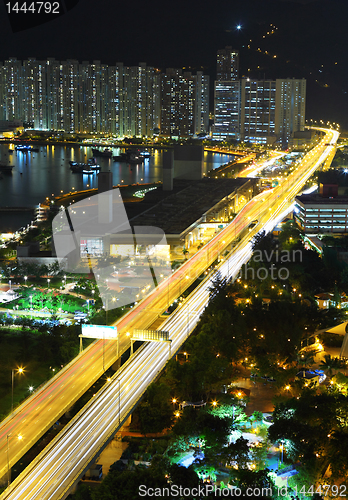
(175, 211)
(319, 200)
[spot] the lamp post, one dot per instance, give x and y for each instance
(25, 280)
(48, 283)
(20, 370)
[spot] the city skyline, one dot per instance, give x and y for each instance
(309, 40)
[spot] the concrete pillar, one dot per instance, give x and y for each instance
(188, 162)
(105, 197)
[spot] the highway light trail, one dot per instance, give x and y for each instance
(56, 469)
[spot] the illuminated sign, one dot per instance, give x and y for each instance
(99, 332)
(157, 335)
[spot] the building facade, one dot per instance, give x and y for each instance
(262, 111)
(227, 109)
(258, 109)
(184, 103)
(227, 64)
(317, 215)
(99, 98)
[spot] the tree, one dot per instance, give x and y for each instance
(83, 492)
(263, 242)
(218, 285)
(299, 423)
(155, 411)
(257, 416)
(329, 364)
(185, 252)
(126, 485)
(248, 480)
(182, 476)
(237, 452)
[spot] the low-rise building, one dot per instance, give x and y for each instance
(316, 214)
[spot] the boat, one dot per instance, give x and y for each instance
(135, 158)
(26, 147)
(145, 154)
(83, 168)
(92, 162)
(79, 167)
(107, 153)
(129, 157)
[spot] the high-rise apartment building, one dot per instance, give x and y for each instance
(81, 97)
(255, 110)
(290, 107)
(184, 103)
(13, 90)
(201, 112)
(177, 101)
(263, 111)
(139, 93)
(258, 108)
(227, 64)
(227, 109)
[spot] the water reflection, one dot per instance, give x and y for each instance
(39, 174)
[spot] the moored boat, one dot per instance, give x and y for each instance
(129, 157)
(79, 167)
(26, 147)
(107, 153)
(83, 168)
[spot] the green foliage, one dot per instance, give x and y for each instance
(155, 412)
(84, 492)
(237, 452)
(330, 364)
(125, 485)
(300, 421)
(245, 478)
(182, 476)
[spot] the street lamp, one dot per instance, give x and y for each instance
(20, 370)
(25, 280)
(48, 283)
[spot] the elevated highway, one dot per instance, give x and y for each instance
(56, 469)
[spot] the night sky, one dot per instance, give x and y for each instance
(310, 40)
